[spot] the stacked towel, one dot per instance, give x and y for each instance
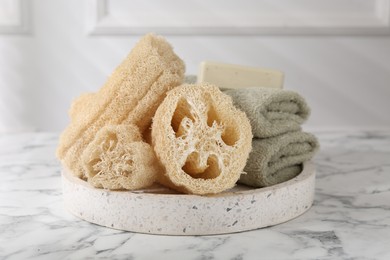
(277, 159)
(279, 147)
(271, 111)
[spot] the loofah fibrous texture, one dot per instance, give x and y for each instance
(201, 139)
(131, 95)
(117, 158)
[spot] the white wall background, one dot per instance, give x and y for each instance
(336, 53)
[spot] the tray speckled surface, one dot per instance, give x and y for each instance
(160, 211)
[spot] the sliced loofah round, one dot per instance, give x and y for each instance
(118, 159)
(202, 140)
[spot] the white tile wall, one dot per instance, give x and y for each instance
(343, 71)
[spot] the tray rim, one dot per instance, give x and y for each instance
(308, 170)
(302, 187)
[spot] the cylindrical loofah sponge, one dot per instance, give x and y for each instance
(201, 138)
(118, 159)
(131, 95)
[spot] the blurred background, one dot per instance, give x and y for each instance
(335, 53)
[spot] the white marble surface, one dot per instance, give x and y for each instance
(350, 218)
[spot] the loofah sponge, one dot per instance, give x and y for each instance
(118, 159)
(80, 105)
(201, 138)
(131, 95)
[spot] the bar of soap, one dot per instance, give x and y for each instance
(236, 76)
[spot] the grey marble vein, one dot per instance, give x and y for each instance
(350, 218)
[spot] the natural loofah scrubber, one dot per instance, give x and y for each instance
(118, 159)
(201, 138)
(130, 96)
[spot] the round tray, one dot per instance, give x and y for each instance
(160, 211)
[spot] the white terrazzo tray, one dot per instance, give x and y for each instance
(161, 211)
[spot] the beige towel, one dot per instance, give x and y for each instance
(278, 159)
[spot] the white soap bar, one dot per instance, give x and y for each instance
(235, 76)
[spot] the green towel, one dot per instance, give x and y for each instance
(271, 111)
(278, 159)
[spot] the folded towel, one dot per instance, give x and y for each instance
(278, 159)
(271, 111)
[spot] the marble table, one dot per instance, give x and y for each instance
(350, 218)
